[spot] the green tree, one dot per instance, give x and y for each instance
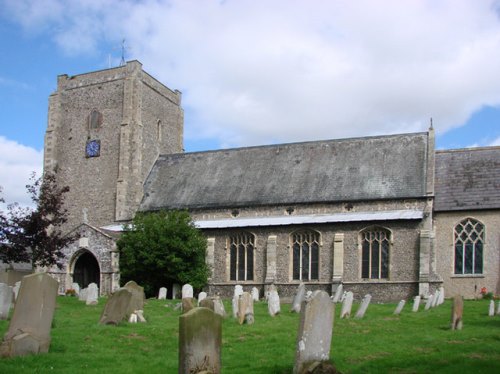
(162, 248)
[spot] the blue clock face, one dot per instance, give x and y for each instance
(93, 148)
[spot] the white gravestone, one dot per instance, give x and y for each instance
(441, 296)
(187, 291)
(491, 311)
(202, 296)
(255, 294)
(435, 299)
(16, 289)
(338, 294)
(364, 305)
(416, 303)
(219, 307)
(347, 305)
(83, 295)
(76, 287)
(429, 302)
(238, 290)
(92, 294)
(5, 300)
(162, 294)
(498, 308)
(299, 297)
(273, 302)
(399, 308)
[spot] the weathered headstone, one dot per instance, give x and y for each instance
(116, 308)
(416, 303)
(255, 294)
(441, 296)
(162, 294)
(315, 332)
(188, 303)
(17, 285)
(187, 291)
(176, 289)
(342, 298)
(219, 306)
(399, 308)
(428, 304)
(435, 299)
(200, 340)
(273, 301)
(347, 305)
(457, 313)
(207, 303)
(338, 293)
(6, 295)
(137, 300)
(137, 316)
(76, 287)
(299, 298)
(29, 329)
(201, 296)
(245, 309)
(83, 295)
(92, 294)
(238, 290)
(498, 308)
(491, 310)
(364, 305)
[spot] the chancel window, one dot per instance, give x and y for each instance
(469, 244)
(241, 251)
(94, 120)
(375, 244)
(305, 253)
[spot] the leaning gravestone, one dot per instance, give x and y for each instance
(457, 313)
(416, 303)
(6, 295)
(16, 289)
(187, 291)
(76, 287)
(491, 310)
(116, 308)
(338, 293)
(137, 300)
(315, 332)
(176, 289)
(207, 303)
(273, 301)
(428, 304)
(188, 303)
(219, 307)
(399, 308)
(255, 294)
(238, 290)
(245, 309)
(364, 305)
(347, 305)
(498, 308)
(162, 294)
(299, 298)
(29, 329)
(200, 340)
(83, 295)
(201, 296)
(441, 296)
(92, 294)
(435, 300)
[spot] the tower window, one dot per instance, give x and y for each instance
(94, 120)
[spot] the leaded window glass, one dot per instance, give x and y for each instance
(241, 251)
(305, 255)
(375, 244)
(469, 243)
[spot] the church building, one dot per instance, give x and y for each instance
(385, 215)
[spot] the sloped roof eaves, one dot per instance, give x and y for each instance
(325, 171)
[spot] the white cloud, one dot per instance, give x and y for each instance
(495, 142)
(17, 163)
(255, 72)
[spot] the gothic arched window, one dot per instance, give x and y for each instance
(305, 254)
(375, 245)
(94, 120)
(469, 244)
(241, 251)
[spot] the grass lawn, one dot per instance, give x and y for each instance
(380, 343)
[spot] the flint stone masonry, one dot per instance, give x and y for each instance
(162, 293)
(363, 307)
(245, 309)
(200, 340)
(29, 328)
(299, 298)
(457, 313)
(116, 308)
(137, 300)
(315, 331)
(347, 305)
(92, 294)
(187, 291)
(416, 303)
(6, 296)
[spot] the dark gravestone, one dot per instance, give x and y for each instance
(208, 303)
(116, 309)
(200, 339)
(29, 329)
(188, 303)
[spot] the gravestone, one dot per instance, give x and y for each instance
(238, 290)
(187, 291)
(219, 307)
(299, 298)
(491, 310)
(76, 287)
(176, 289)
(428, 304)
(416, 303)
(315, 332)
(29, 328)
(255, 294)
(92, 294)
(435, 299)
(116, 308)
(201, 296)
(457, 313)
(364, 305)
(207, 303)
(137, 316)
(17, 285)
(6, 296)
(342, 298)
(162, 294)
(498, 308)
(399, 308)
(137, 300)
(441, 296)
(338, 293)
(273, 301)
(200, 340)
(245, 309)
(347, 305)
(83, 295)
(188, 303)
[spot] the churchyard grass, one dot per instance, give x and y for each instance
(379, 343)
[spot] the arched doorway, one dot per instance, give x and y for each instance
(86, 270)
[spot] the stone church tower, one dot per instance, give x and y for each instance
(105, 130)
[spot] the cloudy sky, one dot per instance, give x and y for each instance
(259, 72)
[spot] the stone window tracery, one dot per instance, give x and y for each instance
(375, 246)
(241, 253)
(305, 255)
(469, 244)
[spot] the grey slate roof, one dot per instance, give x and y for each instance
(368, 168)
(467, 179)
